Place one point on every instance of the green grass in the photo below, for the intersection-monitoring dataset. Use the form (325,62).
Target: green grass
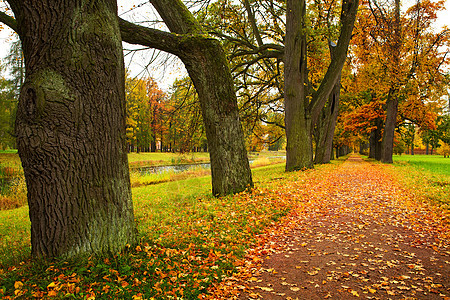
(427,175)
(432,163)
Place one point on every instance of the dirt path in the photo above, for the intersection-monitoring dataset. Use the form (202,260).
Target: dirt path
(357,235)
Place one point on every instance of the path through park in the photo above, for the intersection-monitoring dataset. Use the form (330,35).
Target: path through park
(356,234)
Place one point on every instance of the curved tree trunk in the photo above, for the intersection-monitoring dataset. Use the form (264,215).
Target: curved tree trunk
(208,69)
(71,127)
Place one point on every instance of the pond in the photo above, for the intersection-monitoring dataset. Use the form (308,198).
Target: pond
(182,167)
(173,168)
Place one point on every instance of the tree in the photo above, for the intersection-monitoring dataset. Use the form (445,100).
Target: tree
(70,126)
(207,66)
(302,106)
(409,56)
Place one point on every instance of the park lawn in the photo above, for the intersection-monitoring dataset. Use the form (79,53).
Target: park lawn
(427,175)
(187,240)
(432,163)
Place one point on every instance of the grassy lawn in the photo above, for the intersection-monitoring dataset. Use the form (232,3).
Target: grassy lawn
(431,163)
(188,241)
(427,175)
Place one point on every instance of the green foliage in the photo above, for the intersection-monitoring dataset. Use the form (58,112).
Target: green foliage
(443,129)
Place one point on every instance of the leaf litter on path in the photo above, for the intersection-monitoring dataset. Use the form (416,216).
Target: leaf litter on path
(355,233)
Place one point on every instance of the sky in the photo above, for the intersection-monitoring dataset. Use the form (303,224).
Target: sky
(165,74)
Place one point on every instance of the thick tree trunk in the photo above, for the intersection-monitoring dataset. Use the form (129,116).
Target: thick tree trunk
(207,67)
(299,151)
(71,127)
(325,127)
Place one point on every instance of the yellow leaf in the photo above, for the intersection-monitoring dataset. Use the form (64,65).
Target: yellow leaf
(372,291)
(267,289)
(51,285)
(18,285)
(354,293)
(295,289)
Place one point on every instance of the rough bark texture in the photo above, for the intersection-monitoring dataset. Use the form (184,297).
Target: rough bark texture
(71,127)
(325,127)
(208,68)
(301,113)
(299,152)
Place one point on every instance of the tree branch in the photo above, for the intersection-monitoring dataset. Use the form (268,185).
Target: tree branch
(161,40)
(320,97)
(9,21)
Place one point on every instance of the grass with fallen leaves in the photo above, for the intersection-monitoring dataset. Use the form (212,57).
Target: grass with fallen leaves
(189,240)
(427,175)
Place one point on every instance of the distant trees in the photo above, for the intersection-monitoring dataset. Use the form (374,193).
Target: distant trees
(398,60)
(8,104)
(145,114)
(9,93)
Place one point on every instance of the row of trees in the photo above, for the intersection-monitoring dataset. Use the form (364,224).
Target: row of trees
(280,63)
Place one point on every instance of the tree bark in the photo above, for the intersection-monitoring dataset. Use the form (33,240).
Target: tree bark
(70,127)
(208,68)
(387,149)
(302,108)
(375,141)
(299,153)
(327,122)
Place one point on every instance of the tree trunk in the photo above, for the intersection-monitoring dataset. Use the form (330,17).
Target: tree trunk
(207,67)
(302,108)
(325,127)
(71,127)
(297,119)
(375,141)
(387,148)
